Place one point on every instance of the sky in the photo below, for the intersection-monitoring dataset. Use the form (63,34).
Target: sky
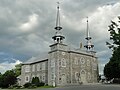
(26,27)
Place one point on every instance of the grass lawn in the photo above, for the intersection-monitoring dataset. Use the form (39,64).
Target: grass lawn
(46,87)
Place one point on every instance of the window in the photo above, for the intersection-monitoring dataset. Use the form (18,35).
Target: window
(82,71)
(43,66)
(63,62)
(38,67)
(33,68)
(53,70)
(40,77)
(43,77)
(76,75)
(26,78)
(76,61)
(53,63)
(94,66)
(88,62)
(52,76)
(27,68)
(63,53)
(89,76)
(82,60)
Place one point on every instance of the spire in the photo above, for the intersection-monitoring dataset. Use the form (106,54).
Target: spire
(58,27)
(89,45)
(88,33)
(58,38)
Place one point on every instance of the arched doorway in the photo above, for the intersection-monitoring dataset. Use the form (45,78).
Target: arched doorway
(63,79)
(83,76)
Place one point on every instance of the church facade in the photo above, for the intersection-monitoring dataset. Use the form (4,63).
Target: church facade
(63,66)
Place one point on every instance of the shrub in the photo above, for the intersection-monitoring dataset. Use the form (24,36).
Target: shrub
(41,84)
(116,80)
(26,85)
(35,81)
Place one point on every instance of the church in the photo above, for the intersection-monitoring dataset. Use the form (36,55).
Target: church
(63,65)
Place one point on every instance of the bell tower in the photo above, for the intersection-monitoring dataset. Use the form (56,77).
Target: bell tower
(58,50)
(58,37)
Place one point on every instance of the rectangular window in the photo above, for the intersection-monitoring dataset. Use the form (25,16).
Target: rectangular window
(52,70)
(52,76)
(94,65)
(63,62)
(43,66)
(38,67)
(43,77)
(33,68)
(53,63)
(76,61)
(27,68)
(88,62)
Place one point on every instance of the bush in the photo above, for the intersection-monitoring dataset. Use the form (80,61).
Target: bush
(41,84)
(15,86)
(35,81)
(116,81)
(26,85)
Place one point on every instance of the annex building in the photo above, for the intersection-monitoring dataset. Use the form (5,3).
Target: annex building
(62,65)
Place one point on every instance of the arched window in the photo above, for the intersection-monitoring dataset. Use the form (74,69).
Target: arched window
(89,76)
(82,71)
(76,75)
(27,78)
(82,60)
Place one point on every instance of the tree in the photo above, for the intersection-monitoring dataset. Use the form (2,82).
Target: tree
(35,81)
(1,78)
(8,79)
(112,68)
(17,69)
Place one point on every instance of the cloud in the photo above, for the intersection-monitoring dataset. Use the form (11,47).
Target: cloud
(4,66)
(26,26)
(30,24)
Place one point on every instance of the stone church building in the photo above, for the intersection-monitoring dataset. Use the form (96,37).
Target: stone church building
(63,65)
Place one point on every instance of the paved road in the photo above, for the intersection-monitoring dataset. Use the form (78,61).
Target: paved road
(86,87)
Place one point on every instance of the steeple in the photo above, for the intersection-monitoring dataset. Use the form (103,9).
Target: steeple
(88,45)
(58,38)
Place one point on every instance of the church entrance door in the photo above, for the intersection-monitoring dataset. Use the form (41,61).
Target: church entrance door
(63,79)
(83,76)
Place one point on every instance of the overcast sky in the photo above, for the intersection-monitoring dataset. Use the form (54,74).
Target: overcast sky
(26,27)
